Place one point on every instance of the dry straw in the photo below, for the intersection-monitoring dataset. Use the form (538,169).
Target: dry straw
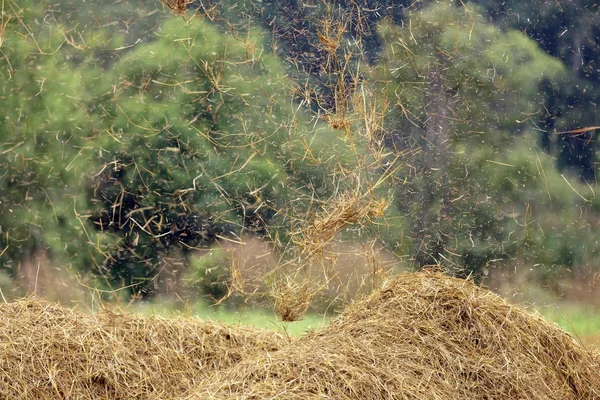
(179,7)
(291,296)
(422,336)
(51,352)
(344,210)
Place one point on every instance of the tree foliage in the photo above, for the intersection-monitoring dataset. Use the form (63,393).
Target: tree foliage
(184,139)
(44,147)
(464,96)
(202,141)
(128,143)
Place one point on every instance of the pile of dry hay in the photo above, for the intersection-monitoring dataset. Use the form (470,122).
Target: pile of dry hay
(51,352)
(422,336)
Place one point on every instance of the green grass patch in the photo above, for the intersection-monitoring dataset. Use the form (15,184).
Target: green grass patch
(257,317)
(580,320)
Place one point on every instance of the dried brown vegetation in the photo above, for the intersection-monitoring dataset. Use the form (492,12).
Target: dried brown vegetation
(291,298)
(52,352)
(179,7)
(347,209)
(420,336)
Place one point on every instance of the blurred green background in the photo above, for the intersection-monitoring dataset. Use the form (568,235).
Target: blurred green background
(247,149)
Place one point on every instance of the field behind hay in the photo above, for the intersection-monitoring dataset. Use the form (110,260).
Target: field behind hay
(580,319)
(262,318)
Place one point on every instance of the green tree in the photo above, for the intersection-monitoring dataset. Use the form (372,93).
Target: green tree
(43,138)
(460,92)
(124,168)
(568,31)
(200,139)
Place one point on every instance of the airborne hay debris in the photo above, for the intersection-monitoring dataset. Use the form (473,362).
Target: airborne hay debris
(346,209)
(291,298)
(52,352)
(422,336)
(179,7)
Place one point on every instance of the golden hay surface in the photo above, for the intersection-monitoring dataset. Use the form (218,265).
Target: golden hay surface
(422,336)
(51,352)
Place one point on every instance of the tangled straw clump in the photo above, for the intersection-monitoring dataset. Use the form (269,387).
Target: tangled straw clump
(51,352)
(422,336)
(344,210)
(179,7)
(291,299)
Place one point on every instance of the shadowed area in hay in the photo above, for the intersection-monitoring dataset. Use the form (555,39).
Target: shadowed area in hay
(51,352)
(421,336)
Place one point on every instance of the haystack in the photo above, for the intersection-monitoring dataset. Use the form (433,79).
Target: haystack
(51,352)
(422,336)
